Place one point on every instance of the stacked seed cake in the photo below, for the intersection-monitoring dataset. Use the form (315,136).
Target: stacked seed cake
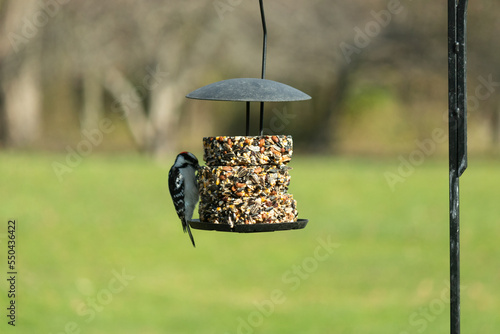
(245,180)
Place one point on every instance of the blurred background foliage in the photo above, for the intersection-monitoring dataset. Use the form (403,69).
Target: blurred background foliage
(65,65)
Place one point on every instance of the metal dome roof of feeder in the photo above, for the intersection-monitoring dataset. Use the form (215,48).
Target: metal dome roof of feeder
(248,90)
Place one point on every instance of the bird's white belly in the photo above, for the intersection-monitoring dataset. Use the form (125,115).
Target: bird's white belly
(191,196)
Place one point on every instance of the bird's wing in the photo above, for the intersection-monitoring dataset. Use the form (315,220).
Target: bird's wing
(175,182)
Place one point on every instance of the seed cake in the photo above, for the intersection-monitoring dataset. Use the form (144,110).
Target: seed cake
(245,180)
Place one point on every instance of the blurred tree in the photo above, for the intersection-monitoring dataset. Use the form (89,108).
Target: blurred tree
(141,53)
(79,61)
(20,73)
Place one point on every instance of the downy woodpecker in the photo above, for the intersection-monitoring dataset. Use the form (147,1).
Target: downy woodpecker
(184,188)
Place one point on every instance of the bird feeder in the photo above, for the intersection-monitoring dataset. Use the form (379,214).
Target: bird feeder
(232,204)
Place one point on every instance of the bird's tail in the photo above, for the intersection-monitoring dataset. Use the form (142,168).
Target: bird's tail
(188,229)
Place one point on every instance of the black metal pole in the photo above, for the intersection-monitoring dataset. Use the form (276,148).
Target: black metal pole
(457,127)
(263,73)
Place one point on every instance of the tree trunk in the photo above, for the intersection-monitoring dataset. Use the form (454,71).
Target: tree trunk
(20,75)
(131,103)
(23,104)
(3,120)
(92,100)
(165,114)
(326,131)
(495,126)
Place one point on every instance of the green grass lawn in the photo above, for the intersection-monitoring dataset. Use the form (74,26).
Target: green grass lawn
(103,252)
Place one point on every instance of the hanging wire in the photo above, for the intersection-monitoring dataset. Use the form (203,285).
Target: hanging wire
(263,74)
(248,119)
(264,46)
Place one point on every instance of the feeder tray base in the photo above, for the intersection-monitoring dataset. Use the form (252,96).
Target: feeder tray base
(248,228)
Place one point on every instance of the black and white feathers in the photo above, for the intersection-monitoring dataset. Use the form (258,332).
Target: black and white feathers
(184,188)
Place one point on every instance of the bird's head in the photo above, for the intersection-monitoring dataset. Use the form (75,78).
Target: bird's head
(186,159)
